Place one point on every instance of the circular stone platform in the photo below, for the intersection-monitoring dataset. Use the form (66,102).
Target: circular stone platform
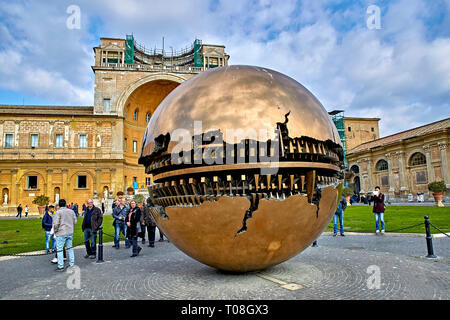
(337,269)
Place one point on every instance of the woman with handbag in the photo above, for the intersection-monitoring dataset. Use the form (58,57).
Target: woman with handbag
(133,221)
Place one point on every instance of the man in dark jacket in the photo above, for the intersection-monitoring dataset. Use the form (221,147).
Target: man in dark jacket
(19,211)
(92,221)
(47,222)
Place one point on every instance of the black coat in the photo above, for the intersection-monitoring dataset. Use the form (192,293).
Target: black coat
(134,218)
(96,219)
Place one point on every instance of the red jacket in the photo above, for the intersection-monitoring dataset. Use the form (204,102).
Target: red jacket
(378,203)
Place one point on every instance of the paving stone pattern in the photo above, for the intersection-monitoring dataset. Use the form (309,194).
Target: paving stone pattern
(336,269)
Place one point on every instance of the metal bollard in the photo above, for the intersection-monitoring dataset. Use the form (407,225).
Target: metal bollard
(100,245)
(429,239)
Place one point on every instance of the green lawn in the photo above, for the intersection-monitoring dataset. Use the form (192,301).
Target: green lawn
(30,235)
(361,219)
(24,235)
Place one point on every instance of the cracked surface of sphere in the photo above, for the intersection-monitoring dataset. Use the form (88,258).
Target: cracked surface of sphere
(247,167)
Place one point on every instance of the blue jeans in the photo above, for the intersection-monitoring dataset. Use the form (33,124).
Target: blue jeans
(135,245)
(379,217)
(339,216)
(47,241)
(120,227)
(60,242)
(90,241)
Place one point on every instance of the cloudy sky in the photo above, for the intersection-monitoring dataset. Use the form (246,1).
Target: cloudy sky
(396,67)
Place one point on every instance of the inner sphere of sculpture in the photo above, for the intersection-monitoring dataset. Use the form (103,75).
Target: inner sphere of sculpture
(263,198)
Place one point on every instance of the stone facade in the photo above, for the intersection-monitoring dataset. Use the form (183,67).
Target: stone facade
(78,153)
(360,130)
(404,163)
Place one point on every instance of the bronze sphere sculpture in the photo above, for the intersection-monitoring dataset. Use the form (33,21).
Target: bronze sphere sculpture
(247,167)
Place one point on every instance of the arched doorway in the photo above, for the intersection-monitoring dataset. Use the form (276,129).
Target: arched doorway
(357,184)
(140,106)
(57,193)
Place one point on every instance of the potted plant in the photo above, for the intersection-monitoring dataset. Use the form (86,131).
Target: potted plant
(41,201)
(139,198)
(347,193)
(437,188)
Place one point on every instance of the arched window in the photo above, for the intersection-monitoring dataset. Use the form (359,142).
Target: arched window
(382,165)
(135,114)
(417,159)
(147,117)
(355,169)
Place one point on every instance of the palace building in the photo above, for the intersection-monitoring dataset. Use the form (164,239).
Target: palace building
(404,163)
(80,152)
(75,152)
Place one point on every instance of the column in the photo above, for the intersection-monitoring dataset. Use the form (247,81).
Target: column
(14,190)
(430,171)
(369,174)
(444,162)
(65,185)
(98,174)
(391,186)
(49,189)
(401,172)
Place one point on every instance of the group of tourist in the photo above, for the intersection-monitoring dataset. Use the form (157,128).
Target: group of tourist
(378,210)
(130,218)
(20,209)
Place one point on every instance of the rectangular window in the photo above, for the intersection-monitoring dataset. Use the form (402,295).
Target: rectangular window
(421,177)
(82,182)
(349,129)
(384,181)
(34,140)
(59,141)
(83,141)
(134,146)
(9,140)
(372,129)
(107,105)
(125,144)
(32,182)
(148,181)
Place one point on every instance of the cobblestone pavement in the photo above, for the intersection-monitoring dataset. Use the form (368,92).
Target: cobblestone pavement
(336,269)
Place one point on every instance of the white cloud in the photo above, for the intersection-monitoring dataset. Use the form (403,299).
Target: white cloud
(398,73)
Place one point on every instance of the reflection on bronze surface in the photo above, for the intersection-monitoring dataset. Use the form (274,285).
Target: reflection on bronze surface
(277,231)
(241,97)
(235,216)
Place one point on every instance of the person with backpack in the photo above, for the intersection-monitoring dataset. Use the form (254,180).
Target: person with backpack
(47,223)
(339,214)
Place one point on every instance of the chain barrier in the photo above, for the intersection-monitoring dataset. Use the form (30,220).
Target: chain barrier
(416,225)
(439,229)
(38,254)
(121,239)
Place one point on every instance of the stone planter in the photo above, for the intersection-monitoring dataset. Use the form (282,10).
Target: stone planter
(41,211)
(438,199)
